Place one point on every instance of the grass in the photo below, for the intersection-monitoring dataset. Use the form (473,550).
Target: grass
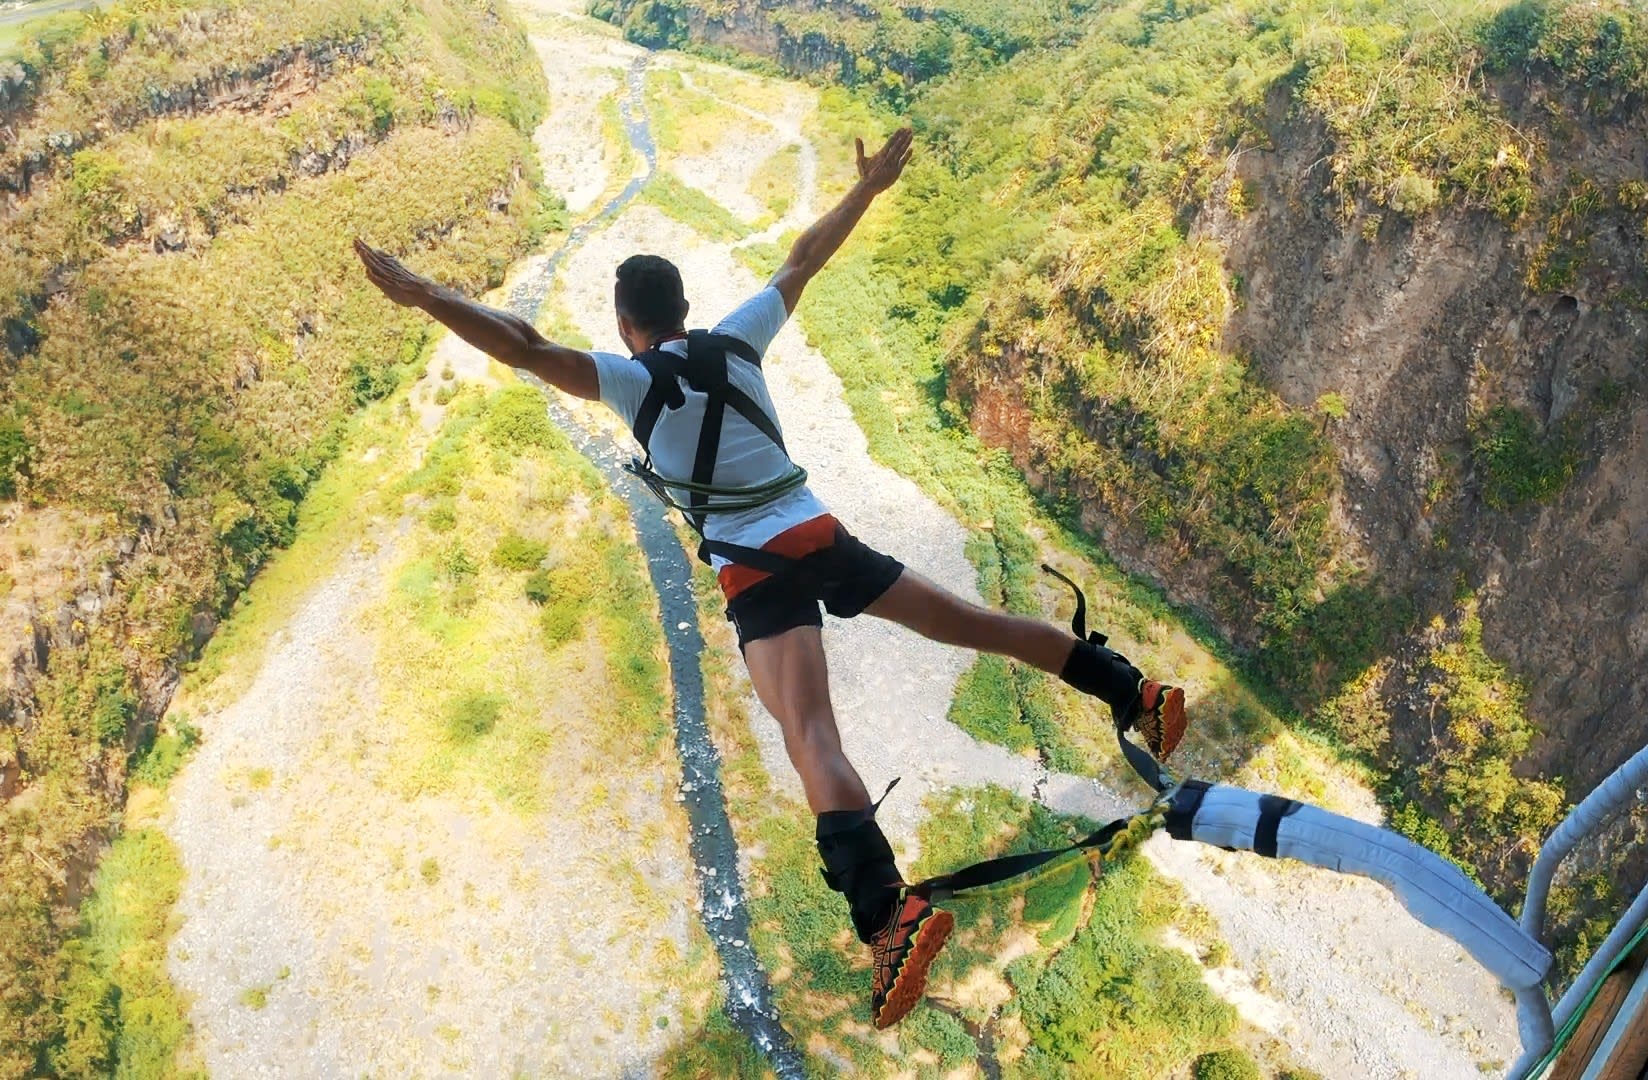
(479,672)
(685,122)
(692,207)
(777,183)
(122,1014)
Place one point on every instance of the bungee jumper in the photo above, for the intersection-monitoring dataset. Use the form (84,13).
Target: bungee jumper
(713,448)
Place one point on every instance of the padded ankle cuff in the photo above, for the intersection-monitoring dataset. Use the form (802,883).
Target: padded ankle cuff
(1102,673)
(859,864)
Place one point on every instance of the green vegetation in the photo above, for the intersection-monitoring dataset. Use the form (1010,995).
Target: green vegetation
(1491,818)
(207,336)
(119,1013)
(1516,463)
(1099,997)
(516,552)
(481,666)
(777,182)
(692,207)
(888,46)
(717,1049)
(1226,1065)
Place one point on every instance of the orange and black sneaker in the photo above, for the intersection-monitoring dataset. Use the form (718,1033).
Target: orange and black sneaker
(1161,718)
(902,952)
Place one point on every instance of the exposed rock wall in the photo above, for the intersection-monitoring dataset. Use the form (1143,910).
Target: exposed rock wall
(1420,324)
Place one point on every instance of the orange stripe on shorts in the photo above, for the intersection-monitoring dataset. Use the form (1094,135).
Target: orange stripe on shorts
(811,535)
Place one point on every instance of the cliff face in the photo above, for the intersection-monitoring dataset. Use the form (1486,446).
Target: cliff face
(846,41)
(1425,326)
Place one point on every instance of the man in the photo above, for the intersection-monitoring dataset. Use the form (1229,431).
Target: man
(778,551)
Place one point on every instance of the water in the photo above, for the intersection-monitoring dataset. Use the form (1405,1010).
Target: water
(713,848)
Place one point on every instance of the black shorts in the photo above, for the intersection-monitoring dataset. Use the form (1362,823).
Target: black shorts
(846,577)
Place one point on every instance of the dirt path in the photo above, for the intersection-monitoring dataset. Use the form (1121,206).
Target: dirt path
(1331,965)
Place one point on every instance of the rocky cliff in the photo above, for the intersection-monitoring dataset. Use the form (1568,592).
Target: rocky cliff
(1424,327)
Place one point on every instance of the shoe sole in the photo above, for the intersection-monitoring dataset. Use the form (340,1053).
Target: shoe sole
(912,980)
(1173,721)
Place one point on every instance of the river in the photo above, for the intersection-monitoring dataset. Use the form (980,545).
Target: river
(713,847)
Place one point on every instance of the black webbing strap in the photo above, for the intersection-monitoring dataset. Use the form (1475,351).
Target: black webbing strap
(754,558)
(706,352)
(1079,623)
(712,381)
(704,367)
(664,393)
(1143,762)
(1272,809)
(995,871)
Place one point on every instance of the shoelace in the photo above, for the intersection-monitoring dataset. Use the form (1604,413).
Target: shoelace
(883,956)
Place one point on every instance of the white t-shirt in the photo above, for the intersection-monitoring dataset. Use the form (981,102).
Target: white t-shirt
(746,456)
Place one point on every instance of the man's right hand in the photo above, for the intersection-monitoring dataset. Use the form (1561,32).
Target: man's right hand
(878,172)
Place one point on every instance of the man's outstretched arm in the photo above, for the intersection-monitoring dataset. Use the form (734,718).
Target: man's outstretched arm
(507,338)
(813,248)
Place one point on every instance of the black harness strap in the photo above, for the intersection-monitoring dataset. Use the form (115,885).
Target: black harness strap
(754,558)
(994,871)
(1144,764)
(1272,809)
(755,414)
(1079,623)
(664,392)
(704,367)
(712,381)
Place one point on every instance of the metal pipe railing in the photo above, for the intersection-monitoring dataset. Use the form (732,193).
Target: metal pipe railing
(1536,1020)
(1610,796)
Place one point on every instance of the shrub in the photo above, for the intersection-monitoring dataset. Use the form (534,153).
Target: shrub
(540,587)
(471,716)
(14,455)
(371,381)
(516,552)
(516,418)
(457,565)
(1226,1065)
(1413,195)
(166,754)
(1298,1072)
(1515,462)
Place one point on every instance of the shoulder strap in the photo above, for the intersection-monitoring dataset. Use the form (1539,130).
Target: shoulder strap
(707,373)
(664,392)
(727,343)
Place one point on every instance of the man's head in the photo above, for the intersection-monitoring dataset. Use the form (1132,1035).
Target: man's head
(650,301)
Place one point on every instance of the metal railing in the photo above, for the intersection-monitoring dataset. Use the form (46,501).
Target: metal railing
(1537,1020)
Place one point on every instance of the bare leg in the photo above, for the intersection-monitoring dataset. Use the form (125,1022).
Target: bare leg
(937,613)
(792,680)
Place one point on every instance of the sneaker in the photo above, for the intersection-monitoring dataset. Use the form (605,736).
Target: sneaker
(902,952)
(1161,718)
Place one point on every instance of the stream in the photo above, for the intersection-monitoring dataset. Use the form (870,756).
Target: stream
(714,849)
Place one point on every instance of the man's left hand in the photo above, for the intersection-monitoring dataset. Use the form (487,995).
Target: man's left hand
(394,280)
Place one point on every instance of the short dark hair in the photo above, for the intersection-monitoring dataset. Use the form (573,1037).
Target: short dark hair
(649,293)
